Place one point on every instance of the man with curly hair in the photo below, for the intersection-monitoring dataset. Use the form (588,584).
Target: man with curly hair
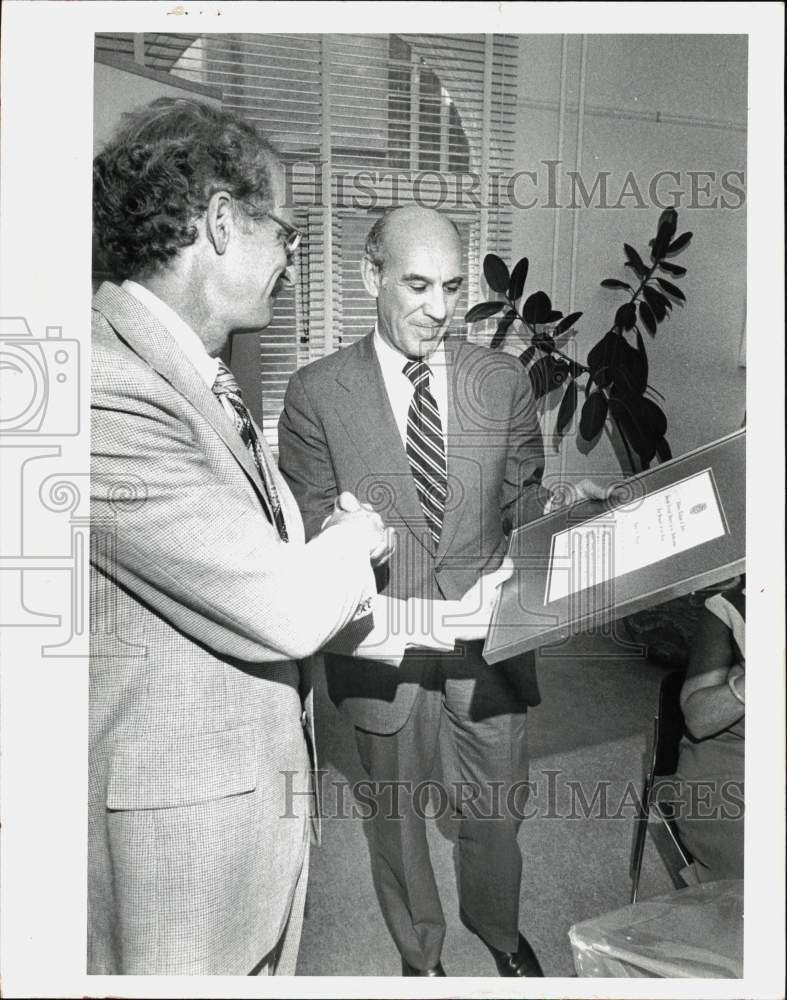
(204,594)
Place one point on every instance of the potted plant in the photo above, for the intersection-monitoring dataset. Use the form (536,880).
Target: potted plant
(614,378)
(618,397)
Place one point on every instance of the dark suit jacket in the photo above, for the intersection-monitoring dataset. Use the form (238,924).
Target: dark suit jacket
(337,432)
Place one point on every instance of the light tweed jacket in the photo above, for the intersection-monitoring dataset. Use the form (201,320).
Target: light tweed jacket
(199,614)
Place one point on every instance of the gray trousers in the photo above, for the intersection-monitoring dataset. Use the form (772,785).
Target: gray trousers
(468,713)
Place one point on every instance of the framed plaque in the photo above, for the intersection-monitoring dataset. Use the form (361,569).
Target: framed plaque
(671,530)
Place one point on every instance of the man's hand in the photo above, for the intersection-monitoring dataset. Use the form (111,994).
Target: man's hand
(382,540)
(469,617)
(566,495)
(587,489)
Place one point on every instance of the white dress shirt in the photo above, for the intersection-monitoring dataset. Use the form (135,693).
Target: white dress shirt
(186,339)
(400,388)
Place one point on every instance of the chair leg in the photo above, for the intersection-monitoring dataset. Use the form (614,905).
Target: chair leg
(668,823)
(639,839)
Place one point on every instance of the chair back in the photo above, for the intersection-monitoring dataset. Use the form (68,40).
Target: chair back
(669,724)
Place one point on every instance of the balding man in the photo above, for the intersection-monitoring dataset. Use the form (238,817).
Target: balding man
(442,437)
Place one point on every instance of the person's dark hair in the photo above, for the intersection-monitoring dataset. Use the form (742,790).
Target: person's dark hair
(155,176)
(375,241)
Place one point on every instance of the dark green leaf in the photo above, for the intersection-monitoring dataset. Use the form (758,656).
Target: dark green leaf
(663,450)
(644,353)
(518,277)
(544,342)
(641,421)
(626,316)
(647,317)
(629,370)
(503,326)
(672,289)
(536,308)
(594,413)
(654,416)
(554,316)
(626,411)
(615,283)
(658,303)
(566,323)
(635,260)
(601,357)
(679,244)
(668,222)
(496,273)
(675,269)
(540,373)
(527,355)
(483,311)
(568,406)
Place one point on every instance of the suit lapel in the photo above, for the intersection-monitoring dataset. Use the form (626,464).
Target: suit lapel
(143,333)
(365,410)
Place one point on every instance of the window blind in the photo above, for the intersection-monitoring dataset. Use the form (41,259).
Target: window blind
(363,122)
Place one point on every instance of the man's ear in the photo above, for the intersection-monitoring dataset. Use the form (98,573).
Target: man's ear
(219,221)
(371,277)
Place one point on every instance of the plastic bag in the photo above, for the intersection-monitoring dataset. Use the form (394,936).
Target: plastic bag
(690,933)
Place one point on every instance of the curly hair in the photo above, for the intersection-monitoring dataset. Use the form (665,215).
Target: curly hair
(154,178)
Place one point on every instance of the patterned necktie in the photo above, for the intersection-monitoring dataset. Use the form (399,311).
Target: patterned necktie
(226,388)
(425,448)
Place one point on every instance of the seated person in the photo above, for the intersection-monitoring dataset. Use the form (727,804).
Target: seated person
(710,765)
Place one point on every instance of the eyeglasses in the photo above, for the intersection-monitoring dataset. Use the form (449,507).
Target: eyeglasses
(292,234)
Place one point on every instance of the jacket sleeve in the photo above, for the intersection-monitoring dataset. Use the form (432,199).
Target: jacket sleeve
(304,457)
(523,496)
(305,462)
(198,549)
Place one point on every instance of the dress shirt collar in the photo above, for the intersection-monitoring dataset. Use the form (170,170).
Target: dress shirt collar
(186,339)
(392,361)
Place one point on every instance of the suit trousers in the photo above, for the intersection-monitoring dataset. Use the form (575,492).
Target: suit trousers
(284,957)
(468,713)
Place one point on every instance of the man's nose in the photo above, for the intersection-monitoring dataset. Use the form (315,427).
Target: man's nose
(436,306)
(288,275)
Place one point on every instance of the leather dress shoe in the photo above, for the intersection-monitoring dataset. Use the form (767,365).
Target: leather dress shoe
(522,962)
(433,970)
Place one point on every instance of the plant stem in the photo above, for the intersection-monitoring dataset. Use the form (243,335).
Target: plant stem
(560,354)
(644,281)
(555,350)
(619,429)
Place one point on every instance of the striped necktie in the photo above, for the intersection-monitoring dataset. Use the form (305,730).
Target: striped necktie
(425,448)
(228,392)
